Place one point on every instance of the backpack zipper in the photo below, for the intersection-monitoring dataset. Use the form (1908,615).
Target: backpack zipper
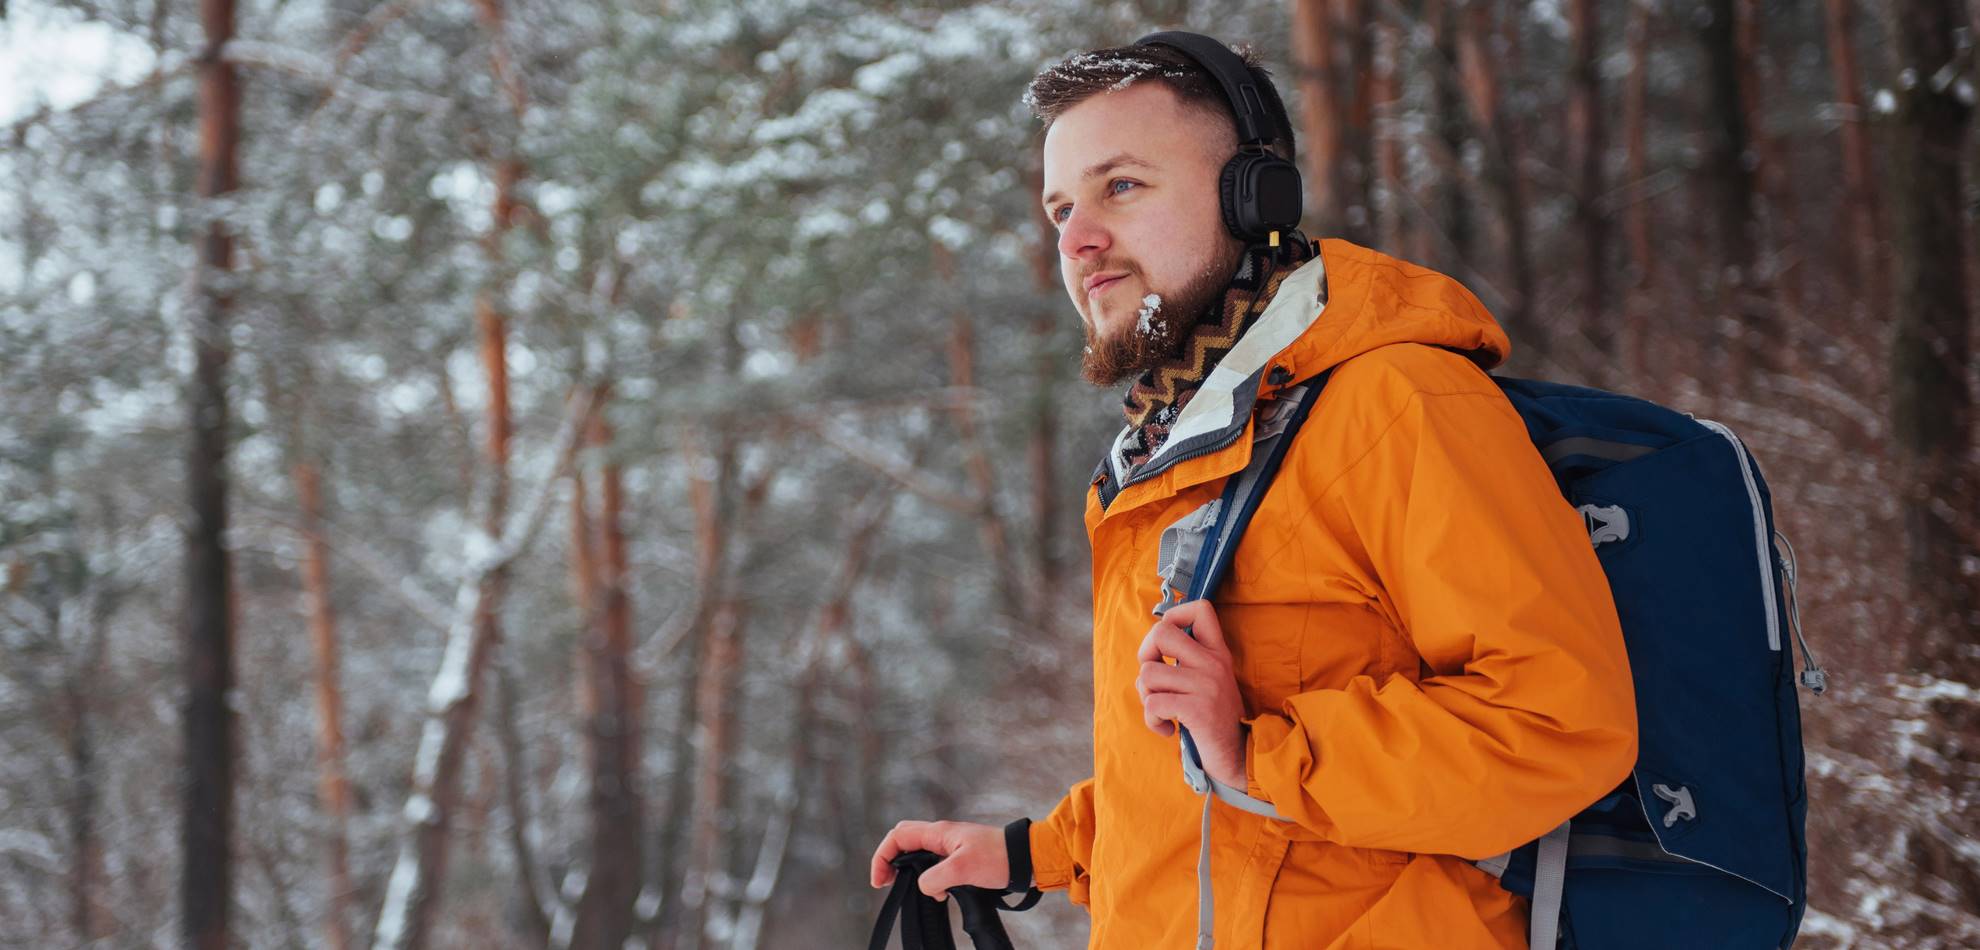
(1760,545)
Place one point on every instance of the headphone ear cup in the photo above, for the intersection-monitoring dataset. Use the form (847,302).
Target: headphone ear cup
(1229,199)
(1259,193)
(1275,195)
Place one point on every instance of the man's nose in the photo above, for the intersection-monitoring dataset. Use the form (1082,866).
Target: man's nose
(1082,236)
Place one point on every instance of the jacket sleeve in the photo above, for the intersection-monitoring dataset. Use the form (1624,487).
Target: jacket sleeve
(1062,844)
(1524,712)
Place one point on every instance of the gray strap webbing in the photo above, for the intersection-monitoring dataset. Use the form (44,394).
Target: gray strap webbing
(1588,844)
(1201,782)
(1206,917)
(1549,880)
(1495,865)
(1594,448)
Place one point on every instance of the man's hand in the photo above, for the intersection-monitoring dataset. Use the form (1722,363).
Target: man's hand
(1200,690)
(972,854)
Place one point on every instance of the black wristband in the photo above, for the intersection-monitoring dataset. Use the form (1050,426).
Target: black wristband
(1017,847)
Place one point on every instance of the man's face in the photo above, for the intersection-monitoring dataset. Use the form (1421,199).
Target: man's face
(1131,184)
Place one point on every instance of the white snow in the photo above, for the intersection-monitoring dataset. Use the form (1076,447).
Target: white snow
(1147,325)
(426,762)
(1944,78)
(884,76)
(56,58)
(950,232)
(398,900)
(1931,688)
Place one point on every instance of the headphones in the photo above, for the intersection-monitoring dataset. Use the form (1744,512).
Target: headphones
(1258,191)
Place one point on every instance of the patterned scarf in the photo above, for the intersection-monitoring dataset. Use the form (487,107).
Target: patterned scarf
(1158,397)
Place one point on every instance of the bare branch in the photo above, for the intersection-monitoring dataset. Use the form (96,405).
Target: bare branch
(886,462)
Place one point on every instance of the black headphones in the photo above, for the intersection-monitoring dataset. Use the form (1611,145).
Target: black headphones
(1258,191)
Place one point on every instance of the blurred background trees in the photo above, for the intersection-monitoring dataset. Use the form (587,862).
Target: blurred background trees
(565,474)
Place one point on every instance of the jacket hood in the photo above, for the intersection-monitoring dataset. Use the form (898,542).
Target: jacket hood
(1373,300)
(1344,302)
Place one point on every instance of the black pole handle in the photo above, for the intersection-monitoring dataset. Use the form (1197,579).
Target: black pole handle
(925,920)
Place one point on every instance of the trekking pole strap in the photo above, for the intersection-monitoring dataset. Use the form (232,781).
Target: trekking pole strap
(1017,851)
(924,921)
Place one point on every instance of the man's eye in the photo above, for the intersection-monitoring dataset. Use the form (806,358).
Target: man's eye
(1059,214)
(1119,185)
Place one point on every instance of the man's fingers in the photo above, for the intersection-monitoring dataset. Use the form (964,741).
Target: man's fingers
(1160,686)
(1201,618)
(1163,678)
(936,881)
(1161,711)
(1167,639)
(906,836)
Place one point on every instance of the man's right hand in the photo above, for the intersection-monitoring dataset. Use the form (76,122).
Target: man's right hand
(972,854)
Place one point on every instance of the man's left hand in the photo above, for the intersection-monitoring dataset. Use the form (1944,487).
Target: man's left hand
(1200,690)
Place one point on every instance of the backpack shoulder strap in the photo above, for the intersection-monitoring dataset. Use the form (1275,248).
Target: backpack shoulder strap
(1203,559)
(1277,424)
(1276,427)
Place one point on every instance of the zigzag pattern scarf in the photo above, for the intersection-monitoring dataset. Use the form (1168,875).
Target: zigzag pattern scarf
(1158,397)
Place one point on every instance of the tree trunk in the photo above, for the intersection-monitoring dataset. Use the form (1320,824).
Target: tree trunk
(1321,116)
(537,896)
(1933,438)
(413,894)
(1450,207)
(1636,122)
(332,787)
(976,461)
(1642,313)
(1385,93)
(86,872)
(206,889)
(1777,225)
(1859,191)
(1588,146)
(713,499)
(706,873)
(832,622)
(716,499)
(1730,161)
(1481,78)
(605,912)
(1352,22)
(1931,355)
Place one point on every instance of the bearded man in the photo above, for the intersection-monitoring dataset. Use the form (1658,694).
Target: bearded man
(1414,660)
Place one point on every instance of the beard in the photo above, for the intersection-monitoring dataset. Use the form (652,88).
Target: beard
(1138,347)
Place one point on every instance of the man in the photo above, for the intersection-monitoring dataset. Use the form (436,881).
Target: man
(1414,658)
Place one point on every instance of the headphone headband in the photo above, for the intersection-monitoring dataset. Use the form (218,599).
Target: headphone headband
(1258,191)
(1256,123)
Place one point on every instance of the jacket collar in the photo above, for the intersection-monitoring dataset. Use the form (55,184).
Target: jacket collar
(1221,407)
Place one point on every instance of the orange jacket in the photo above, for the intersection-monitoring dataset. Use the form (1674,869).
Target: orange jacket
(1429,656)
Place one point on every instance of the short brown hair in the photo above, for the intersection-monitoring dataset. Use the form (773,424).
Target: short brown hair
(1085,75)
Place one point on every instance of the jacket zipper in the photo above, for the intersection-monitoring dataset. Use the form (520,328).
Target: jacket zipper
(1168,463)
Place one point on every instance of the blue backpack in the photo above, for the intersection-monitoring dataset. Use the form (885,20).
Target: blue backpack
(1702,846)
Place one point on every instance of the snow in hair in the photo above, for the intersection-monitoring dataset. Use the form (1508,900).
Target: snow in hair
(1080,68)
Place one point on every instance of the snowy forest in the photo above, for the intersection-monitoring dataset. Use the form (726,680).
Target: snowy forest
(534,473)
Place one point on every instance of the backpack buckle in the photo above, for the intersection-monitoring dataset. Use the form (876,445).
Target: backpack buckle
(1605,523)
(1180,552)
(1682,807)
